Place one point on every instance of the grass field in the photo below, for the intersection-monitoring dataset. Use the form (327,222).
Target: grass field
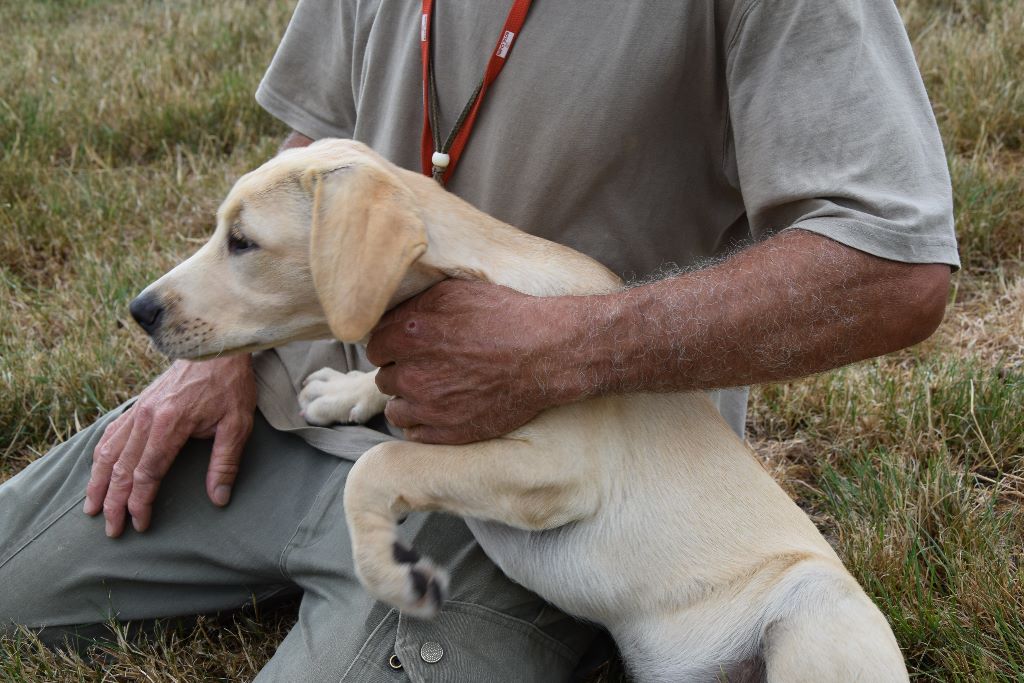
(122,124)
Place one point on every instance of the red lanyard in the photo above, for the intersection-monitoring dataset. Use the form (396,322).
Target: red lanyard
(441,162)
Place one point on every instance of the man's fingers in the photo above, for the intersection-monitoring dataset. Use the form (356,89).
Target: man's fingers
(405,414)
(400,413)
(417,434)
(409,381)
(103,458)
(387,380)
(158,454)
(120,480)
(228,442)
(426,434)
(380,349)
(135,452)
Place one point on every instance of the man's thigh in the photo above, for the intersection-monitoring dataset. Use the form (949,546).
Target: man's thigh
(284,530)
(59,568)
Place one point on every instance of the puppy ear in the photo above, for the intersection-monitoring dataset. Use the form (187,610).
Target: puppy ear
(366,233)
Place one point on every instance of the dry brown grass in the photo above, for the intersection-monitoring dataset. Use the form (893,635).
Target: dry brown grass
(987,321)
(227,650)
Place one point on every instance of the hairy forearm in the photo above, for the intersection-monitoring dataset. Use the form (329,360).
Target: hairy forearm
(796,304)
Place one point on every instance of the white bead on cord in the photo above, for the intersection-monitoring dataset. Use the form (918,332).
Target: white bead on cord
(440,160)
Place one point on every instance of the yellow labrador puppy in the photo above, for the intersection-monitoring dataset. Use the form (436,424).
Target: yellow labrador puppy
(643,513)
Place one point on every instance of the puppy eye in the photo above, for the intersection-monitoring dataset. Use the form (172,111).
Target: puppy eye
(238,243)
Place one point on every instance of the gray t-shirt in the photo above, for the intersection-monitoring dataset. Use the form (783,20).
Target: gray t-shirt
(643,133)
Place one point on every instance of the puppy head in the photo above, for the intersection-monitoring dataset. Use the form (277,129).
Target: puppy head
(314,243)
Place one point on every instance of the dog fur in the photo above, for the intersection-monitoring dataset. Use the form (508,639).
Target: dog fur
(643,513)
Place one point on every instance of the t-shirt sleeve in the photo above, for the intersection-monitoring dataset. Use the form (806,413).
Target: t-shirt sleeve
(309,82)
(833,130)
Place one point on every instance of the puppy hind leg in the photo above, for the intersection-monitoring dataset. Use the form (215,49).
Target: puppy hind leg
(833,636)
(499,480)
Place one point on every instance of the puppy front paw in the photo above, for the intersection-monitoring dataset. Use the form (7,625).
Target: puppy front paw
(329,397)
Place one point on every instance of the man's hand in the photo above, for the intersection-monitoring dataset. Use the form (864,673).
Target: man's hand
(467,361)
(215,398)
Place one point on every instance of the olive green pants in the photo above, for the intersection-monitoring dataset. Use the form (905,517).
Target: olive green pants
(283,532)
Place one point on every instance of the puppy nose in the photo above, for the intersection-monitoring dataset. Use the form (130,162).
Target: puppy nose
(147,311)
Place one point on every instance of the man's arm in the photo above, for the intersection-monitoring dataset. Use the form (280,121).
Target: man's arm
(471,361)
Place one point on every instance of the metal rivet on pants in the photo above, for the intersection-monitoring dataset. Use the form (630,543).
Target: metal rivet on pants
(394,662)
(431,652)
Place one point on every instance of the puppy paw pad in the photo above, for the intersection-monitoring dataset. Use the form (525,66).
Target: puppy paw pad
(404,555)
